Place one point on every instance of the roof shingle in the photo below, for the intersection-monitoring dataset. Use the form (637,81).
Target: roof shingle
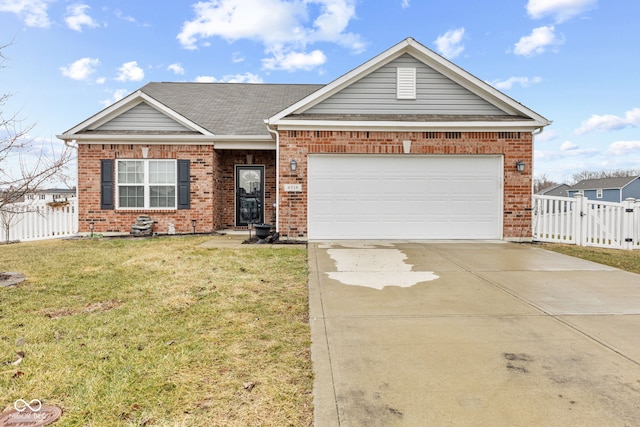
(229,108)
(603,183)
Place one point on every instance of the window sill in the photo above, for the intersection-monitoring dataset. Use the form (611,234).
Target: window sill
(150,210)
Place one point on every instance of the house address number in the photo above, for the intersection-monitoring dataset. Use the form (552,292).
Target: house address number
(292,187)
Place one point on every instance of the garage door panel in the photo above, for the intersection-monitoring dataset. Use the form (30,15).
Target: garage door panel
(413,197)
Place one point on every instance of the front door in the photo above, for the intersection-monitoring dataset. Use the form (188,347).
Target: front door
(249,195)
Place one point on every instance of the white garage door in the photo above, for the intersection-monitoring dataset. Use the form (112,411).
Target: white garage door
(404,197)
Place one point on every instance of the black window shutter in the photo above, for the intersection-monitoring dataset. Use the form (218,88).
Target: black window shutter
(184,187)
(106,184)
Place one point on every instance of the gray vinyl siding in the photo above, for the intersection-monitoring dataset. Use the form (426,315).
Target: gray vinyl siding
(632,190)
(376,94)
(608,195)
(143,117)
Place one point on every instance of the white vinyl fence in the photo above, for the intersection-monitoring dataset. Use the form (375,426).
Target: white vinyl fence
(26,221)
(584,222)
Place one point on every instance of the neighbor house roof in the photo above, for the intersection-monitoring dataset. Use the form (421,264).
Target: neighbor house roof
(603,183)
(555,190)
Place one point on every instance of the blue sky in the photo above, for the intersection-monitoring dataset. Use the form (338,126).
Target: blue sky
(575,62)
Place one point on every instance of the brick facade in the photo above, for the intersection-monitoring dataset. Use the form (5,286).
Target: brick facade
(212,192)
(513,146)
(233,158)
(212,177)
(205,200)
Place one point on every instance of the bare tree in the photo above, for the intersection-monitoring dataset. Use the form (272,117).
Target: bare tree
(25,164)
(541,182)
(614,173)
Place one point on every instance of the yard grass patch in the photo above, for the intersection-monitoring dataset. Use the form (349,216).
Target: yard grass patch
(622,259)
(158,332)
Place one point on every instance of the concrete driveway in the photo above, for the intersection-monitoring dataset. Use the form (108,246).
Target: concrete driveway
(471,334)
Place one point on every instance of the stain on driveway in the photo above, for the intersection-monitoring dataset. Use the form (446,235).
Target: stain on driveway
(375,268)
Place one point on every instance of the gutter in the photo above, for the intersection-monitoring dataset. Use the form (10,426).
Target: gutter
(355,125)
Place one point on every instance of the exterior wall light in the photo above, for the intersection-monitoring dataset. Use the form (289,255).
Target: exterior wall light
(520,166)
(293,165)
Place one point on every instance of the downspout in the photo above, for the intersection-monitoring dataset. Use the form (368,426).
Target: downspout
(533,158)
(277,135)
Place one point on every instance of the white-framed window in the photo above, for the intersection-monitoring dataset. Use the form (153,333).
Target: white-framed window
(146,184)
(599,193)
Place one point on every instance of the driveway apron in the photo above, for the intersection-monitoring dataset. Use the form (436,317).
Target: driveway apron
(471,334)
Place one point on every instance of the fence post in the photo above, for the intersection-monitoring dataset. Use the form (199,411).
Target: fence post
(580,225)
(627,224)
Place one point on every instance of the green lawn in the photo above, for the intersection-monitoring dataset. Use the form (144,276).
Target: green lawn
(158,332)
(622,259)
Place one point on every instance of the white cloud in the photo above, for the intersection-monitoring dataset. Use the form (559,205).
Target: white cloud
(283,27)
(176,69)
(546,136)
(405,4)
(237,57)
(231,78)
(116,96)
(77,17)
(610,122)
(118,13)
(623,148)
(450,43)
(538,41)
(81,69)
(560,10)
(295,61)
(34,12)
(569,148)
(522,81)
(546,155)
(205,79)
(130,72)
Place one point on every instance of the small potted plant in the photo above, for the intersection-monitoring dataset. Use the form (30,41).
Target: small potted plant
(262,232)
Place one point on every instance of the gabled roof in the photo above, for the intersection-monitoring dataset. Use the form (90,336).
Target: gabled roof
(207,109)
(230,112)
(555,190)
(520,115)
(603,183)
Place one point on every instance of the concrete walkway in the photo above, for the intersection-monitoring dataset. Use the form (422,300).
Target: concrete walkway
(471,334)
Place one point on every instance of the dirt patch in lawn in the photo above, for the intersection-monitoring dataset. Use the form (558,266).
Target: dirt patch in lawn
(92,307)
(11,279)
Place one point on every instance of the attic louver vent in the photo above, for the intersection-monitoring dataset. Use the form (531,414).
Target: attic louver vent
(406,83)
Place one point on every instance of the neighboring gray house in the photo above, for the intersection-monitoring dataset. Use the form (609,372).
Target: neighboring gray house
(560,190)
(608,189)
